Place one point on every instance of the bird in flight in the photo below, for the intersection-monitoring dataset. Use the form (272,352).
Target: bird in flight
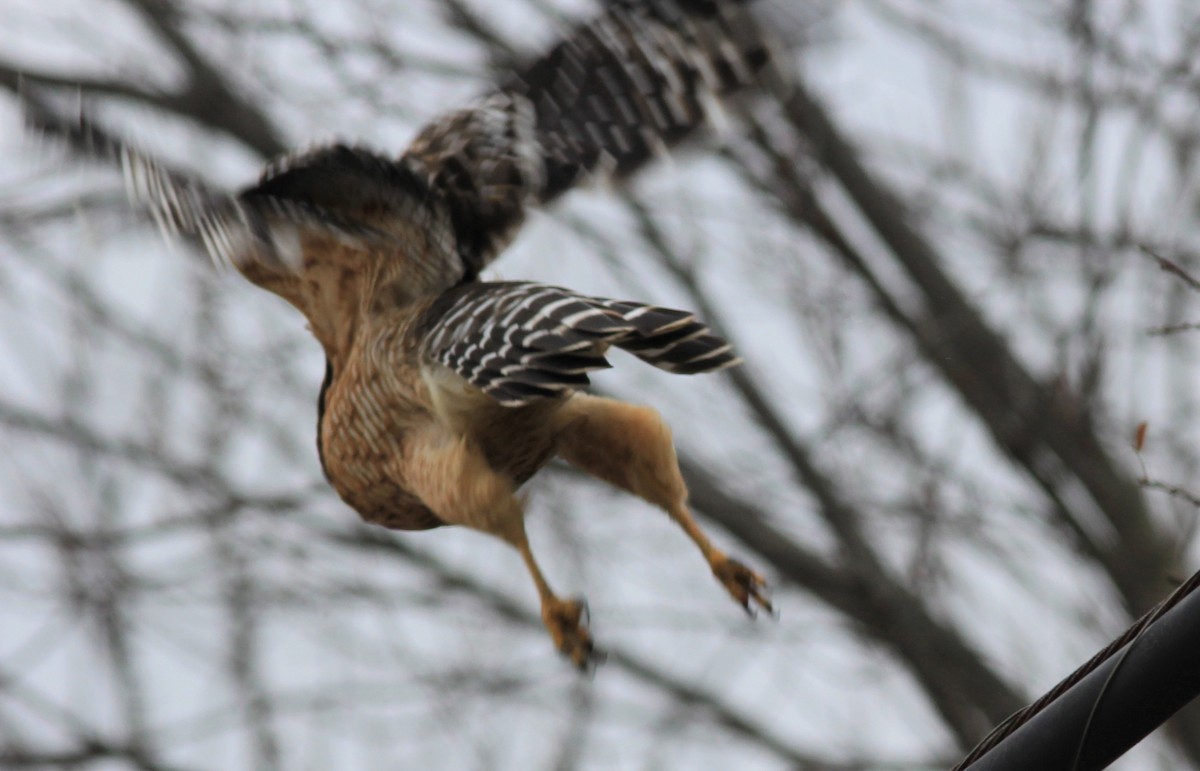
(444,393)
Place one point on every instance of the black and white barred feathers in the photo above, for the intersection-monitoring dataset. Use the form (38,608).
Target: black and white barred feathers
(519,341)
(611,95)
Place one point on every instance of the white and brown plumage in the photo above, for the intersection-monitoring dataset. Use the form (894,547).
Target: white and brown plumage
(443,394)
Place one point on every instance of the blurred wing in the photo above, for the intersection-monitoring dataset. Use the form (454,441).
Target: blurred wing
(609,97)
(520,342)
(254,231)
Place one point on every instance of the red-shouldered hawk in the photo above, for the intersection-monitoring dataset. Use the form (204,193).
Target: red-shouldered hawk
(443,393)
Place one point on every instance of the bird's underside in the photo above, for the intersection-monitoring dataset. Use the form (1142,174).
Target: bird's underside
(443,393)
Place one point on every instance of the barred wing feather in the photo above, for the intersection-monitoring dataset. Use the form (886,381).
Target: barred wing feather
(520,342)
(251,229)
(614,93)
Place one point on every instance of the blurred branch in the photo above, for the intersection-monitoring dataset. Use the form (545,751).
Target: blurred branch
(860,585)
(461,16)
(1048,434)
(207,97)
(969,696)
(14,78)
(181,472)
(1175,491)
(1172,267)
(89,752)
(1173,329)
(1037,428)
(381,541)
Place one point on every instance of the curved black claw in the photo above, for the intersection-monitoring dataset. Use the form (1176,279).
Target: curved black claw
(594,660)
(747,588)
(567,622)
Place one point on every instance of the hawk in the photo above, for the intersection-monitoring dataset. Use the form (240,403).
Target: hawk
(444,393)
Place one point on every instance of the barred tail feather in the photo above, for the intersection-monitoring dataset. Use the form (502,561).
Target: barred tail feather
(687,350)
(520,342)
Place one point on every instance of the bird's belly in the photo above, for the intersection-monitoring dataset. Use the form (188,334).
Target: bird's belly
(368,417)
(388,505)
(371,422)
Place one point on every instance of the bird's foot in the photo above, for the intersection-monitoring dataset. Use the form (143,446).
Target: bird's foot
(748,588)
(565,619)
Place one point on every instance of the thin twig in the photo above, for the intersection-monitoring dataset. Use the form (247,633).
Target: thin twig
(1173,329)
(1175,491)
(1171,267)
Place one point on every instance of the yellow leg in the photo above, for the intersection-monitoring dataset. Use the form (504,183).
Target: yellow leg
(630,447)
(452,477)
(563,618)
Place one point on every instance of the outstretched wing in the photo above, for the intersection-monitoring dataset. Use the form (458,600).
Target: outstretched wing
(251,230)
(610,96)
(613,93)
(373,212)
(520,342)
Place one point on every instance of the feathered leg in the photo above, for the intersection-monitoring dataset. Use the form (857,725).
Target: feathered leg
(452,478)
(630,447)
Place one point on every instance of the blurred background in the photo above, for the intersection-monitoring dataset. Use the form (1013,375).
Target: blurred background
(930,257)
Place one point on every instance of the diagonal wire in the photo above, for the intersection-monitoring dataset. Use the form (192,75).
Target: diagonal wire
(1130,635)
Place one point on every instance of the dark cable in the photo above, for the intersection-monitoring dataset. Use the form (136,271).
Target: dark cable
(1023,716)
